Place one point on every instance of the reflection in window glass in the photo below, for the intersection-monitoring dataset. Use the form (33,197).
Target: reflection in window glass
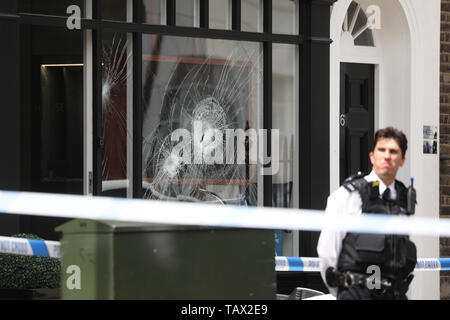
(50,7)
(51,141)
(285,16)
(284,104)
(116,113)
(117,10)
(284,118)
(200,98)
(153,11)
(60,115)
(186,13)
(251,15)
(52,83)
(219,14)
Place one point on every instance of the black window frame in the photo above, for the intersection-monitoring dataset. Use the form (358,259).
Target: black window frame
(313,41)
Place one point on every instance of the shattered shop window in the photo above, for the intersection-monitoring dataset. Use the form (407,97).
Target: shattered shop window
(117,103)
(201,119)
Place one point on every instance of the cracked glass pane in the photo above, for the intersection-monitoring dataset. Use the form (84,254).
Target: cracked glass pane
(117,102)
(202,105)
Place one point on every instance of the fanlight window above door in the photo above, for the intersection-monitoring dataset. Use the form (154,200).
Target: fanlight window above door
(356,26)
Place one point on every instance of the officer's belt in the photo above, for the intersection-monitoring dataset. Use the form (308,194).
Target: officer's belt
(350,279)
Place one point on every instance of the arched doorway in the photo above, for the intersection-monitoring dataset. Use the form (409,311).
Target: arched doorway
(357,89)
(371,50)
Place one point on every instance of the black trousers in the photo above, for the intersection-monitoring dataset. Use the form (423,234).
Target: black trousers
(363,293)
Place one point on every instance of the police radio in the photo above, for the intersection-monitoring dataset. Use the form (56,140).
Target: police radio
(411,198)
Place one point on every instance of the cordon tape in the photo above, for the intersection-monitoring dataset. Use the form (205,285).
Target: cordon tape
(30,247)
(51,249)
(301,264)
(198,214)
(162,212)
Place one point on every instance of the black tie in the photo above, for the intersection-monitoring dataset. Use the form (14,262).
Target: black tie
(387,194)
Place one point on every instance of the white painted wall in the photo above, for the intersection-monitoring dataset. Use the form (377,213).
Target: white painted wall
(425,111)
(407,97)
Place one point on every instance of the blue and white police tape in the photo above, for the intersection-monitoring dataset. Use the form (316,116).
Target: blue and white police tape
(301,264)
(198,214)
(44,248)
(30,247)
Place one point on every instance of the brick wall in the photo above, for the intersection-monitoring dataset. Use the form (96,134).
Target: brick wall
(445,139)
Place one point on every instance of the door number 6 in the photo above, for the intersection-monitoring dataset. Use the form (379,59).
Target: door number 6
(342,120)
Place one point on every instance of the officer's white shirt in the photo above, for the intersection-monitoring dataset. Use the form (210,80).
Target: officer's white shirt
(342,202)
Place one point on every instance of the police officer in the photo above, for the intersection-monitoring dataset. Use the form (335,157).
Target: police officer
(358,266)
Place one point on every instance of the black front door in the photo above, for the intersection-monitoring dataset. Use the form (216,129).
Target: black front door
(356,118)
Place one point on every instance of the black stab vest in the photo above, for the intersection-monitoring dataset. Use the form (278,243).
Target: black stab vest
(396,255)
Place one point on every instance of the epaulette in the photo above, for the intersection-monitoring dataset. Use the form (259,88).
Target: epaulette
(353,183)
(367,190)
